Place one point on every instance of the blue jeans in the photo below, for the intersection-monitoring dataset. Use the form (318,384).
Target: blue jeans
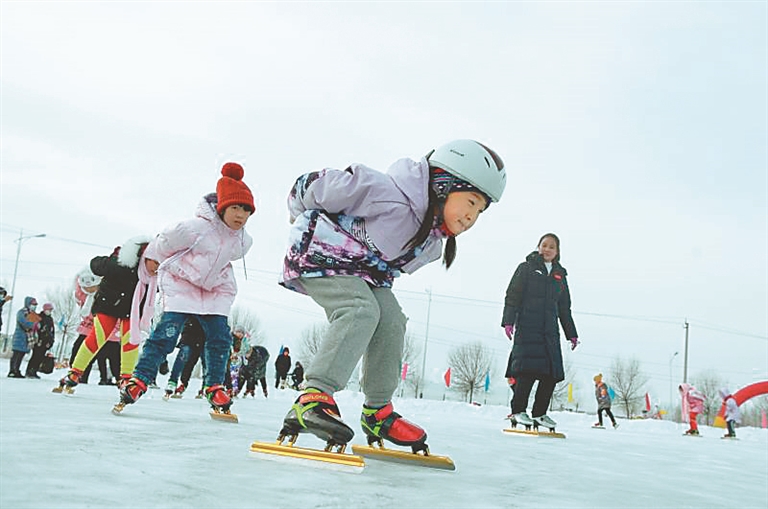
(162,341)
(178,365)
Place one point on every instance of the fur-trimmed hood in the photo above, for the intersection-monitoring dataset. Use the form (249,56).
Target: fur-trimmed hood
(131,250)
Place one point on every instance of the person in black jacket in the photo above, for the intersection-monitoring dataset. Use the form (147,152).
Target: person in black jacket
(45,338)
(537,296)
(111,308)
(282,367)
(297,376)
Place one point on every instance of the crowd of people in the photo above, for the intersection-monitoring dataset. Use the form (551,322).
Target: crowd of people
(353,231)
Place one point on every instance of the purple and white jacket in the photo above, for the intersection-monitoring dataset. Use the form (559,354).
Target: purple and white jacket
(356,222)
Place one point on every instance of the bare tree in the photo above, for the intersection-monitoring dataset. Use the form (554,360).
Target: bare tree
(66,317)
(470,364)
(709,384)
(250,321)
(411,351)
(628,383)
(311,338)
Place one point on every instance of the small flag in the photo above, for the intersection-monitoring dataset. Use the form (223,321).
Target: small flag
(447,377)
(405,371)
(487,380)
(570,393)
(764,420)
(62,321)
(647,402)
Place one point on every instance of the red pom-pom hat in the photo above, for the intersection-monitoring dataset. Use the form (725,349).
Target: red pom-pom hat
(231,190)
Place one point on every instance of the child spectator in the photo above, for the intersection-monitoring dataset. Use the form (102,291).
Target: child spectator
(44,340)
(603,401)
(693,405)
(732,412)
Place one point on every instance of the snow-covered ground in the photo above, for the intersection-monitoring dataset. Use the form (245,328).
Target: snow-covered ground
(70,451)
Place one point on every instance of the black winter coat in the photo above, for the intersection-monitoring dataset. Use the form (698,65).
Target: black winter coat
(45,331)
(534,302)
(117,286)
(192,334)
(283,365)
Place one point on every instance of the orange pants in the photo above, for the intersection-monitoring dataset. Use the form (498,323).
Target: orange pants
(694,425)
(102,328)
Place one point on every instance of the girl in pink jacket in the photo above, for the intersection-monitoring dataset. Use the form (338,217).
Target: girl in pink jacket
(693,405)
(191,264)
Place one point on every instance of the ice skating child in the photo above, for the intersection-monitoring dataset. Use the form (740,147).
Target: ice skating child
(26,322)
(282,367)
(603,401)
(86,286)
(192,262)
(297,376)
(537,297)
(235,362)
(255,370)
(732,412)
(354,231)
(44,340)
(111,309)
(190,333)
(693,405)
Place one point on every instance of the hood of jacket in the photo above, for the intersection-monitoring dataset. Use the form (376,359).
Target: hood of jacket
(535,258)
(130,251)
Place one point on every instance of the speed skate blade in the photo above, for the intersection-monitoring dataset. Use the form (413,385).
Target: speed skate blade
(411,458)
(226,417)
(353,462)
(549,434)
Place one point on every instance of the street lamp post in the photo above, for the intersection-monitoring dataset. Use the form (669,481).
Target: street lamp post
(671,384)
(18,241)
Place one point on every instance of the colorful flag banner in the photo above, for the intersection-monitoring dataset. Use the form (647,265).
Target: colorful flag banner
(487,381)
(647,402)
(447,377)
(405,371)
(570,393)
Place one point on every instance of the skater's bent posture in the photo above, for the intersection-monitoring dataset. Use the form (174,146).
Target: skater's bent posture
(693,405)
(354,231)
(111,308)
(537,296)
(732,412)
(192,264)
(603,401)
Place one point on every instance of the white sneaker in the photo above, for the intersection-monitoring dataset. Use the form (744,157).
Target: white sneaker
(521,418)
(544,420)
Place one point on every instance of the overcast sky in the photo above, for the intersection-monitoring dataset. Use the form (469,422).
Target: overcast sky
(636,131)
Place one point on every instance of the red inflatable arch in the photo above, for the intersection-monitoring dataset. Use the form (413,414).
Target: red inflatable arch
(742,395)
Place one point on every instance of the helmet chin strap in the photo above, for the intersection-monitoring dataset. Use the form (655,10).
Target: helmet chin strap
(440,221)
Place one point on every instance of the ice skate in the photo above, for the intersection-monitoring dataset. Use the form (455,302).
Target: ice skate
(692,432)
(520,418)
(598,425)
(544,420)
(68,383)
(386,424)
(615,425)
(220,401)
(179,392)
(130,392)
(316,412)
(170,389)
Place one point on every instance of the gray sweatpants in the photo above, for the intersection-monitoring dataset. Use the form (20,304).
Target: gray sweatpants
(363,322)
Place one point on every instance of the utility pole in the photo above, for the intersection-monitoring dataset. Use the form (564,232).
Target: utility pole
(685,364)
(426,340)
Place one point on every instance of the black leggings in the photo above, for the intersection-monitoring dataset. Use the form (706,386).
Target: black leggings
(523,391)
(607,412)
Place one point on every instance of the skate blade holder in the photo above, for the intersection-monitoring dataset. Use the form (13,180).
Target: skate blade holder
(325,458)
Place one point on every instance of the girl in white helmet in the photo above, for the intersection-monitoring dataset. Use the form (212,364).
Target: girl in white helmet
(353,232)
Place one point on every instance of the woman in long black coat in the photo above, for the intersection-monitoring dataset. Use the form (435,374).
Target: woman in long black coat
(537,297)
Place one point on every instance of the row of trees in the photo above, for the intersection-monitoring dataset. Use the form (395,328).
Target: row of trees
(471,363)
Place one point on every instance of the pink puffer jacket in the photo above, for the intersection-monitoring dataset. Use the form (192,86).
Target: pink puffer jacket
(195,274)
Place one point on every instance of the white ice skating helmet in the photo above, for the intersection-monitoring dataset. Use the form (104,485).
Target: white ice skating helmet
(87,279)
(473,162)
